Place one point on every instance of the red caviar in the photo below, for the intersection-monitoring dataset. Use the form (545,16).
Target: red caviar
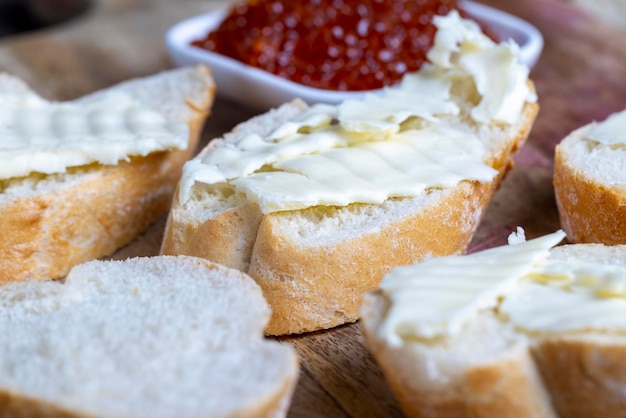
(330,44)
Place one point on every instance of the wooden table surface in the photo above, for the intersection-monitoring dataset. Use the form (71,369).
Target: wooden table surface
(579,78)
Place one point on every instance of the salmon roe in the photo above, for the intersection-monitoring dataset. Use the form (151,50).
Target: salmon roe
(330,44)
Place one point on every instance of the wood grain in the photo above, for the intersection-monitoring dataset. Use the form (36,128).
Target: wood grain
(579,78)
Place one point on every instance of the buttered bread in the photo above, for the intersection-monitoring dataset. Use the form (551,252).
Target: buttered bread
(523,330)
(318,203)
(81,179)
(590,182)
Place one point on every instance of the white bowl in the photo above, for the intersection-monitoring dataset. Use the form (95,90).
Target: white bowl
(260,89)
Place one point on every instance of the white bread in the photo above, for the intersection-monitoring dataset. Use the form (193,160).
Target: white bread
(493,369)
(314,264)
(145,337)
(51,222)
(590,189)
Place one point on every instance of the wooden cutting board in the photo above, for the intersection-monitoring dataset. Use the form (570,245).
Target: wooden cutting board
(579,78)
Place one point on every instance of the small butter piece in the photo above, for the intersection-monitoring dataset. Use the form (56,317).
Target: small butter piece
(611,131)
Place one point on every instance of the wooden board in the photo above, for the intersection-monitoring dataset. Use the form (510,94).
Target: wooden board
(579,78)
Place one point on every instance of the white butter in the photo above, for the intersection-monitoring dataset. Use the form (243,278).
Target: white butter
(424,97)
(569,296)
(328,154)
(611,131)
(48,137)
(370,172)
(315,117)
(462,50)
(436,297)
(530,290)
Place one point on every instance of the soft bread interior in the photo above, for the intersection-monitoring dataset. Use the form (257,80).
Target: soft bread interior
(158,337)
(603,164)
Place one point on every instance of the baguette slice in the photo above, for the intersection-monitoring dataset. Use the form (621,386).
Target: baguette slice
(51,222)
(145,337)
(590,189)
(492,368)
(314,264)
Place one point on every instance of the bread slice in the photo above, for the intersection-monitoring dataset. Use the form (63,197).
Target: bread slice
(494,368)
(51,222)
(145,337)
(590,188)
(314,264)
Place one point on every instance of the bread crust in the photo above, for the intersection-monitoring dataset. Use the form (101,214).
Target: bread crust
(589,211)
(500,390)
(316,287)
(48,233)
(227,238)
(306,296)
(506,386)
(586,376)
(17,405)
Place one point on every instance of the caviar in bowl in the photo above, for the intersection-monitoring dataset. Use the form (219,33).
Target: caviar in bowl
(262,89)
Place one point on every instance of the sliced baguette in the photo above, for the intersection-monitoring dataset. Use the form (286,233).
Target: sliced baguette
(315,256)
(314,264)
(590,190)
(52,222)
(145,337)
(493,369)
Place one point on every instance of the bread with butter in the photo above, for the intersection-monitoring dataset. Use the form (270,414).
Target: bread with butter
(144,337)
(516,331)
(315,254)
(590,182)
(63,204)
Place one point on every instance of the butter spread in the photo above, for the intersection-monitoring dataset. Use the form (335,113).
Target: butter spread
(387,111)
(370,172)
(361,151)
(48,137)
(436,297)
(462,50)
(519,281)
(569,296)
(611,131)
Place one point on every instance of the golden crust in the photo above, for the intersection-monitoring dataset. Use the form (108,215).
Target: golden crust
(312,288)
(500,390)
(504,387)
(227,239)
(44,236)
(590,212)
(306,295)
(16,405)
(587,378)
